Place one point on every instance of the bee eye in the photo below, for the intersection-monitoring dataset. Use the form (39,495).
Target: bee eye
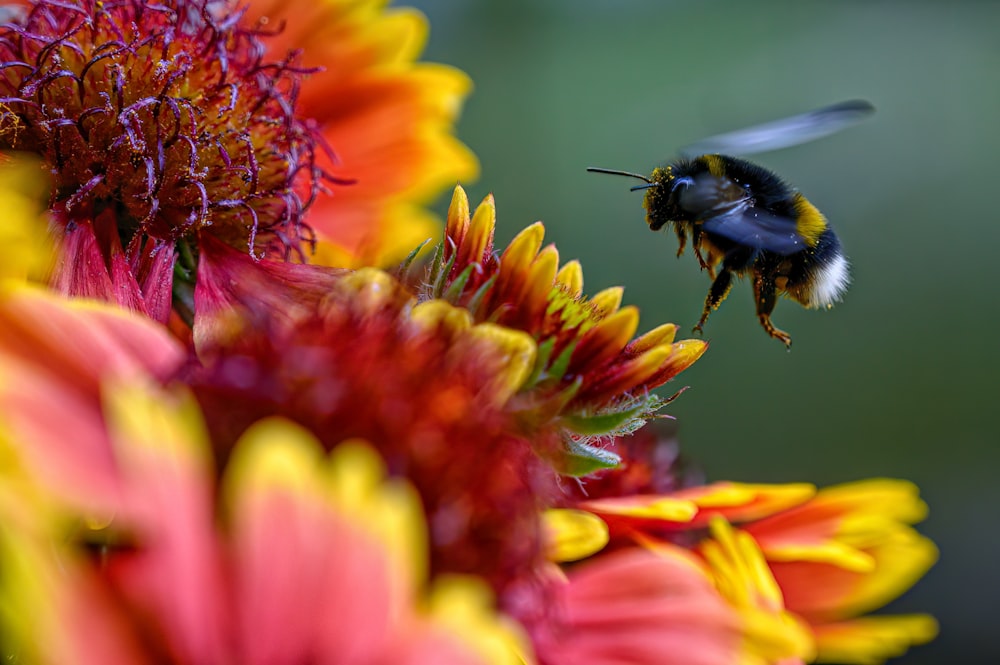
(686,181)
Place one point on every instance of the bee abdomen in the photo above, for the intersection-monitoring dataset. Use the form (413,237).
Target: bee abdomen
(826,273)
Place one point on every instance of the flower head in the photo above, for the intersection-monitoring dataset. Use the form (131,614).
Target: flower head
(389,118)
(165,117)
(813,560)
(592,377)
(420,381)
(284,552)
(158,123)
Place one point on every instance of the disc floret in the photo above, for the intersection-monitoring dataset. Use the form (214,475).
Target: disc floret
(166,114)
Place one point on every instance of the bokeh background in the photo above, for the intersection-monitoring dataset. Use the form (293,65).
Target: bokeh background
(903,378)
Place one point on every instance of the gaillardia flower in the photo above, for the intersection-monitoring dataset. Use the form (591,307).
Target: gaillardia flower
(816,560)
(592,378)
(158,122)
(420,382)
(165,123)
(122,541)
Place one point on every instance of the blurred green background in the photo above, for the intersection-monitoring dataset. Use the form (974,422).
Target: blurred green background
(899,380)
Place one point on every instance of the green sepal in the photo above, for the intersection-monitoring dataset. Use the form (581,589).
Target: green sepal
(581,459)
(402,271)
(477,298)
(559,366)
(602,423)
(435,265)
(443,277)
(455,289)
(542,357)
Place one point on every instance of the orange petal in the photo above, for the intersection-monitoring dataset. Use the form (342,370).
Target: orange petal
(685,353)
(605,340)
(832,592)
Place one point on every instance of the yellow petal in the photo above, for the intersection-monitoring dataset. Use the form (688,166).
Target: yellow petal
(895,499)
(518,352)
(571,535)
(520,253)
(660,335)
(654,507)
(434,313)
(763,499)
(480,235)
(465,606)
(26,246)
(458,216)
(744,579)
(570,276)
(608,301)
(541,277)
(369,288)
(872,640)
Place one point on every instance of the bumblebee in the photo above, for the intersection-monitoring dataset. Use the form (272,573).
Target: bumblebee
(742,219)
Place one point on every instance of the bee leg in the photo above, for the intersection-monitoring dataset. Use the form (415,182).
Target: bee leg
(765,292)
(701,258)
(716,294)
(682,239)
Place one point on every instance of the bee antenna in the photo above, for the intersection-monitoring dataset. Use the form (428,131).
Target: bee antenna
(646,186)
(594,169)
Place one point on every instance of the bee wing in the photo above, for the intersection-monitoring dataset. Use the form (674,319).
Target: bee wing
(783,133)
(758,228)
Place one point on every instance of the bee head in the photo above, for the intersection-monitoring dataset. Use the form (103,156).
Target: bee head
(661,199)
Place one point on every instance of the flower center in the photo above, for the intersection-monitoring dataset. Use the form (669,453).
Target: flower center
(164,112)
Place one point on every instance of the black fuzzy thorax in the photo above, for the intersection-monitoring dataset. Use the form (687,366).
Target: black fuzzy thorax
(768,190)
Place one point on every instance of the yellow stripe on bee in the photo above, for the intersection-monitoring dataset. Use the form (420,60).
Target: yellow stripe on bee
(715,165)
(809,222)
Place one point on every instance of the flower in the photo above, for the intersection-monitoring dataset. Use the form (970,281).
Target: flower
(592,378)
(141,550)
(357,356)
(164,124)
(388,117)
(158,123)
(815,559)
